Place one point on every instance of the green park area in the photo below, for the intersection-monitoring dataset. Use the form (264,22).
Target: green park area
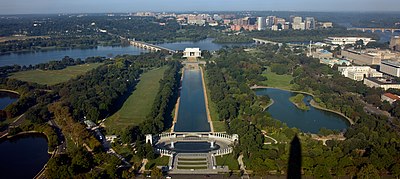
(139,103)
(219,126)
(52,77)
(277,81)
(228,160)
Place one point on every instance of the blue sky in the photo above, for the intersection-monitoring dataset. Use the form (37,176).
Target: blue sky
(92,6)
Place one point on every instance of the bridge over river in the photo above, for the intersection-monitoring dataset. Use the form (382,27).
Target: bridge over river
(150,47)
(392,30)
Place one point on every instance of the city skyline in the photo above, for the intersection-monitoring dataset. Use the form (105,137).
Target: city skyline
(103,6)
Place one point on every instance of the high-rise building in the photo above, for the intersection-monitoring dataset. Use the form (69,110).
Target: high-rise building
(271,21)
(280,22)
(261,23)
(296,23)
(252,21)
(310,23)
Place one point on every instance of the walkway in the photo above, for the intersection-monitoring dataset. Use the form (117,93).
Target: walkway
(243,167)
(269,137)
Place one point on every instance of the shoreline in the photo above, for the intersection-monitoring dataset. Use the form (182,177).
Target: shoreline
(269,105)
(28,133)
(10,91)
(307,108)
(206,101)
(312,102)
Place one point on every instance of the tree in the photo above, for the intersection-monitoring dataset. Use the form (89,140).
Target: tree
(368,171)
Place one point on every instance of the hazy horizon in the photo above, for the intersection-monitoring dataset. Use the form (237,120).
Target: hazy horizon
(10,7)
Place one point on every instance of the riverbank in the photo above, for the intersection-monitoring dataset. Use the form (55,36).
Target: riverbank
(312,102)
(10,91)
(28,133)
(298,102)
(206,101)
(268,105)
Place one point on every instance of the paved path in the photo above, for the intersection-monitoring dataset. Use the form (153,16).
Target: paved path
(242,167)
(269,137)
(144,163)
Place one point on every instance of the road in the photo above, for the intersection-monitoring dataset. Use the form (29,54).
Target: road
(62,148)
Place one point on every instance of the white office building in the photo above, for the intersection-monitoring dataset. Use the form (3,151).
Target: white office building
(347,40)
(358,73)
(391,68)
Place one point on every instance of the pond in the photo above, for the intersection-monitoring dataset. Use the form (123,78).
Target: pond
(23,156)
(192,114)
(307,121)
(6,98)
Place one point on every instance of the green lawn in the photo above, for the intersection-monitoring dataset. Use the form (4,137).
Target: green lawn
(52,77)
(228,160)
(139,103)
(275,80)
(219,126)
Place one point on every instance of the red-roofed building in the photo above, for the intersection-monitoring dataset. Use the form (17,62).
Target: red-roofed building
(390,97)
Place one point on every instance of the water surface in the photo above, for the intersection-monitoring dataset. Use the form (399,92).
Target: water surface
(23,157)
(307,121)
(192,114)
(6,98)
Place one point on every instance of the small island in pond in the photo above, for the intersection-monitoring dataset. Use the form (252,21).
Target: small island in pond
(298,101)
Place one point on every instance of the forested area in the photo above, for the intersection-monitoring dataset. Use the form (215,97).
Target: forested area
(371,145)
(232,39)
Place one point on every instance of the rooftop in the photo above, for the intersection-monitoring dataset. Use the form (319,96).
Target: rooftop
(392,96)
(391,63)
(382,81)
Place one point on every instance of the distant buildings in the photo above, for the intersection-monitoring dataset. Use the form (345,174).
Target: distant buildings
(361,57)
(196,20)
(395,43)
(261,23)
(309,23)
(276,23)
(347,40)
(192,53)
(358,73)
(381,83)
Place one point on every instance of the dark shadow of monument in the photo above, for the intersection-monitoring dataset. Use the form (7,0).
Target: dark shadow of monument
(294,164)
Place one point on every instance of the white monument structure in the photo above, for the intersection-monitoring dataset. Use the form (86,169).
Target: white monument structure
(192,53)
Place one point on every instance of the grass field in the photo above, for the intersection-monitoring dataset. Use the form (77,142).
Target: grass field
(219,126)
(52,77)
(275,80)
(139,103)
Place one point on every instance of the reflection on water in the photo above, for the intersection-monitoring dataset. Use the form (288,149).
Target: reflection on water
(192,115)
